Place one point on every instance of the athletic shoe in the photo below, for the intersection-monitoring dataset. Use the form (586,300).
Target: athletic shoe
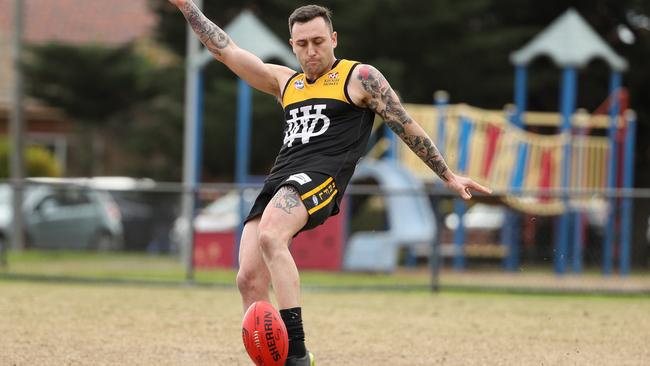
(308,360)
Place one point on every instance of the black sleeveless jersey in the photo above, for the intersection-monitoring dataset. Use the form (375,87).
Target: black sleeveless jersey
(324,132)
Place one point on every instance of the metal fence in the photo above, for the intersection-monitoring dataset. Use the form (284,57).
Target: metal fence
(383,238)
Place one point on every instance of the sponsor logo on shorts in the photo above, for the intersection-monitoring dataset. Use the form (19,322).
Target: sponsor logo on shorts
(301,178)
(326,192)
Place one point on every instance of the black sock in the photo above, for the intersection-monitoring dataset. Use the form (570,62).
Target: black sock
(293,321)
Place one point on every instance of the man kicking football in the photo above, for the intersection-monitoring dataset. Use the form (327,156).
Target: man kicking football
(329,109)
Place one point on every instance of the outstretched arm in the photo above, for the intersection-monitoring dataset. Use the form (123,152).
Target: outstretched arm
(264,77)
(374,92)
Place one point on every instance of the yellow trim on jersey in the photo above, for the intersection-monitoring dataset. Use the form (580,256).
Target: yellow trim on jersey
(317,189)
(331,85)
(324,203)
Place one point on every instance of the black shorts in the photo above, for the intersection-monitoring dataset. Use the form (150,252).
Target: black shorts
(318,193)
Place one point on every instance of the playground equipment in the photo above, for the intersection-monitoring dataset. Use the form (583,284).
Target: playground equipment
(540,172)
(409,213)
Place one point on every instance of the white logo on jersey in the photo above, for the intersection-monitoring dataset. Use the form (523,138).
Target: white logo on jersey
(304,127)
(299,84)
(301,178)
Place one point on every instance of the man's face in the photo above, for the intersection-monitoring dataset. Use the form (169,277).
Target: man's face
(313,43)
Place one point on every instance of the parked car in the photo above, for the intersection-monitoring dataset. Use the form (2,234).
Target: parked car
(147,213)
(63,216)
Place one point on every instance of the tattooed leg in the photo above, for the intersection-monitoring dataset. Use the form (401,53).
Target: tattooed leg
(286,199)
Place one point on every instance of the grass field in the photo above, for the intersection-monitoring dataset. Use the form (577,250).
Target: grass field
(63,265)
(81,324)
(125,309)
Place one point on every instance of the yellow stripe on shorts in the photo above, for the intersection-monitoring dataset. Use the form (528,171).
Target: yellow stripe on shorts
(324,203)
(317,189)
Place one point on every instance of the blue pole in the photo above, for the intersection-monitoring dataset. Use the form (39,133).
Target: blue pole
(441,101)
(628,204)
(521,81)
(510,233)
(460,207)
(610,228)
(512,218)
(578,217)
(244,106)
(244,122)
(561,253)
(517,182)
(466,128)
(567,107)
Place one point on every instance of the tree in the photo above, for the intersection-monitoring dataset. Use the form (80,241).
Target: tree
(92,84)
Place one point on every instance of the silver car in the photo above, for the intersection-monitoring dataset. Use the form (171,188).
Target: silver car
(64,216)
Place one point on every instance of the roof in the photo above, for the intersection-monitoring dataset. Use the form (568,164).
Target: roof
(74,21)
(570,42)
(111,22)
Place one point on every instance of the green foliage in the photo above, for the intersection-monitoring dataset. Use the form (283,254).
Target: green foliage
(90,83)
(115,93)
(151,132)
(39,161)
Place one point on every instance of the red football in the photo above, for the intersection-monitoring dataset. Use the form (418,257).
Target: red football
(265,335)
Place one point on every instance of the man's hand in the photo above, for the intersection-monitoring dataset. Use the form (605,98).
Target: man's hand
(463,185)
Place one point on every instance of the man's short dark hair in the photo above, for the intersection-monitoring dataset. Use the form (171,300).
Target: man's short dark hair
(308,12)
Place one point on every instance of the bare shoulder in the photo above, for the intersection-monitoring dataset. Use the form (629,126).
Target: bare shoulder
(281,73)
(363,71)
(367,84)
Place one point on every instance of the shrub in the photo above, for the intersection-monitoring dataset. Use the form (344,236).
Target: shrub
(39,161)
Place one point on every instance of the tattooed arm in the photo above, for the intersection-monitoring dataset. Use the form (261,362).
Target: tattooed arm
(369,88)
(264,77)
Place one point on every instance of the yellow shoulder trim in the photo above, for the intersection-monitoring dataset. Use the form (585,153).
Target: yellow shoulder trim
(330,85)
